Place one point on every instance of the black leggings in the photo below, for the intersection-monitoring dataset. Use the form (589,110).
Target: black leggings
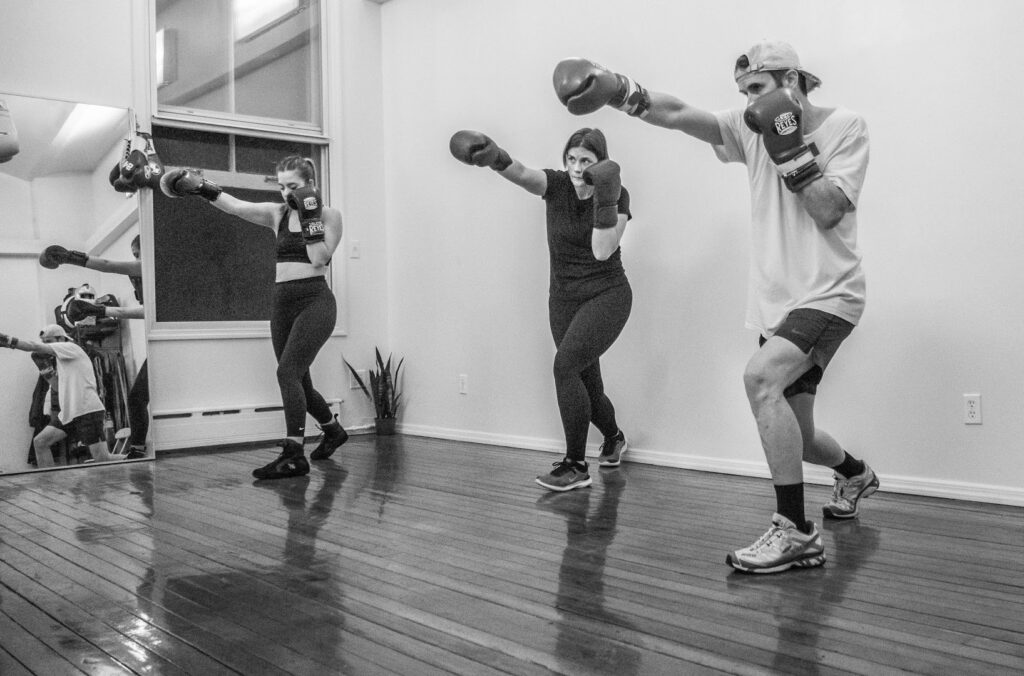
(583,331)
(138,407)
(301,322)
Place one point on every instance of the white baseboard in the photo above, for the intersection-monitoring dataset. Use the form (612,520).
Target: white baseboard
(199,427)
(936,488)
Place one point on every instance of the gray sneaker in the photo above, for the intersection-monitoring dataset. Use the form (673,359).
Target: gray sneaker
(781,548)
(612,450)
(566,476)
(846,494)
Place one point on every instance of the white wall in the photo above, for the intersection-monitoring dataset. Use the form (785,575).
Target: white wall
(453,266)
(468,260)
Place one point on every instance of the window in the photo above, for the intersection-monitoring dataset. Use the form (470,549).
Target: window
(212,267)
(254,62)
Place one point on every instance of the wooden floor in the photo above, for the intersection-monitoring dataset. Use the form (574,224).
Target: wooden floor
(414,556)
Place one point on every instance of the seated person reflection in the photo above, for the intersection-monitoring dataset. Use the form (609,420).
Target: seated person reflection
(138,397)
(81,412)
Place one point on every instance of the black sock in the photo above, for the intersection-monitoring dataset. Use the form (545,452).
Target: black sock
(850,466)
(789,500)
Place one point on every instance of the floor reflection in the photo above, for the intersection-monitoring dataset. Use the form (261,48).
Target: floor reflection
(140,488)
(388,471)
(801,599)
(589,532)
(288,593)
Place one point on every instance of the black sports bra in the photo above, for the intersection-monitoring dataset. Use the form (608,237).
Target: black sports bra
(291,248)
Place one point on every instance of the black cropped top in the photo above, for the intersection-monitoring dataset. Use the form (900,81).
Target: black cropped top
(291,248)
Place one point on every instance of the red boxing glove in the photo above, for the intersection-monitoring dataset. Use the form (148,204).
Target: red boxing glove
(478,149)
(79,309)
(604,176)
(583,87)
(55,255)
(182,182)
(777,116)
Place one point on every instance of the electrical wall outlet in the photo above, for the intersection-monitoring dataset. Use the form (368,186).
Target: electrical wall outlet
(463,383)
(972,409)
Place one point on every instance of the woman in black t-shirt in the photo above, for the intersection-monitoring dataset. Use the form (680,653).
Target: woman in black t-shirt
(589,297)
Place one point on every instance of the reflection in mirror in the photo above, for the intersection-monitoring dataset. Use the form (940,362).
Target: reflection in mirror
(65,246)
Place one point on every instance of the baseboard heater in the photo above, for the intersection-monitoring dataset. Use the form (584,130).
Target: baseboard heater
(218,426)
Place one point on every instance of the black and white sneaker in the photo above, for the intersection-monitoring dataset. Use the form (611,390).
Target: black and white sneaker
(612,450)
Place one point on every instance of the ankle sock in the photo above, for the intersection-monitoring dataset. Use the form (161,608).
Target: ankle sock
(789,500)
(850,466)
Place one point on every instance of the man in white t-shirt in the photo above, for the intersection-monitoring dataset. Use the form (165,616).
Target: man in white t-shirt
(80,413)
(806,165)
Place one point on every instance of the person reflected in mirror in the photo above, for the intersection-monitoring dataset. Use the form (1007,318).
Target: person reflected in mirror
(80,411)
(80,308)
(304,307)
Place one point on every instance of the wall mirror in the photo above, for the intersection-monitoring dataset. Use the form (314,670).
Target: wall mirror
(55,189)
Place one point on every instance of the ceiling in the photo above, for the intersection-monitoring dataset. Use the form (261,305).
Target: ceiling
(45,152)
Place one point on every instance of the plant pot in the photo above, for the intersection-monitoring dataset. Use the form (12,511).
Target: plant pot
(385,426)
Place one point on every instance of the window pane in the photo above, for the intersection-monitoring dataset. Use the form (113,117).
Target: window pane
(188,148)
(211,266)
(261,155)
(256,58)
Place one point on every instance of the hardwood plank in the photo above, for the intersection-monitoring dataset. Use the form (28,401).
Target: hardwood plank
(403,555)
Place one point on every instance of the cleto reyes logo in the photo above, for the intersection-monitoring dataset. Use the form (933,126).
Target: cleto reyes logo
(315,227)
(786,124)
(310,202)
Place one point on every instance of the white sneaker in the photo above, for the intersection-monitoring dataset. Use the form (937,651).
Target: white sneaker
(847,493)
(781,548)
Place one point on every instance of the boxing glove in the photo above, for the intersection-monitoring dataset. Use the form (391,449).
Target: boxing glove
(79,309)
(604,176)
(8,341)
(131,164)
(119,182)
(46,363)
(182,182)
(306,201)
(143,177)
(583,87)
(777,117)
(55,255)
(477,149)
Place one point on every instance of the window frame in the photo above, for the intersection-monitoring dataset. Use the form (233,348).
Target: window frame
(186,115)
(330,181)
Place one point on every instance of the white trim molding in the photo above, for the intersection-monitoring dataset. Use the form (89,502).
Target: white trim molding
(935,488)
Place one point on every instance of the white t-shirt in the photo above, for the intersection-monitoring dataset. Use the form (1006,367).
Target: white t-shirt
(76,389)
(794,263)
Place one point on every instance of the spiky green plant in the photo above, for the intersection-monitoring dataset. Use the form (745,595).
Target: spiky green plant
(384,389)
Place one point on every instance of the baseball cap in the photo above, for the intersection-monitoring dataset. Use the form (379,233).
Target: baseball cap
(772,55)
(54,331)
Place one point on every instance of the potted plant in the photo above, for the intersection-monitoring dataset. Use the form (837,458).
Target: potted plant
(383,391)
